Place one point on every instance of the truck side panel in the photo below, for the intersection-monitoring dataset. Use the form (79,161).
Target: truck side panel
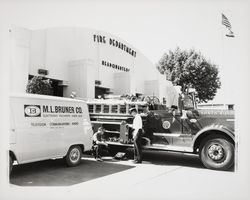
(42,131)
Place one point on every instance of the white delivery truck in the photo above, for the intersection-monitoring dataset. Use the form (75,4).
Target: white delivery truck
(45,127)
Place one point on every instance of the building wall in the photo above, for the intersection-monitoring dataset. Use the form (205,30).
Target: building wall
(77,57)
(53,48)
(162,88)
(122,83)
(19,60)
(37,52)
(81,74)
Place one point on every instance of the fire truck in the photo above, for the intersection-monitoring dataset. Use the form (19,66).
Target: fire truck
(184,128)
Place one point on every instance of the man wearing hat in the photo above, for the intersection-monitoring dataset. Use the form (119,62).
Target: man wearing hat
(137,134)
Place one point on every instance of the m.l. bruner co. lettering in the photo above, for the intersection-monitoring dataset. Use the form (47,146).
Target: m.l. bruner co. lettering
(61,109)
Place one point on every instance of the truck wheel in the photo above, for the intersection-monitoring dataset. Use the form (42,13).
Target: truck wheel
(10,164)
(217,153)
(74,155)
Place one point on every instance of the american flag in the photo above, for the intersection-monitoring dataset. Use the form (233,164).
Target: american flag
(226,22)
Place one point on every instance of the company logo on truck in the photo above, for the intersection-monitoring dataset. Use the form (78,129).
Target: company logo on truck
(32,110)
(166,124)
(37,110)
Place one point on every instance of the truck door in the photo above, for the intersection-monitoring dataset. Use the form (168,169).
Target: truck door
(167,122)
(164,123)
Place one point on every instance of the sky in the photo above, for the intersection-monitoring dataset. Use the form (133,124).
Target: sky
(153,27)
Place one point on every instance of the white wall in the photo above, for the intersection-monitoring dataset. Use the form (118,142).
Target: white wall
(70,54)
(20,58)
(37,52)
(152,88)
(143,70)
(53,48)
(81,81)
(162,89)
(122,83)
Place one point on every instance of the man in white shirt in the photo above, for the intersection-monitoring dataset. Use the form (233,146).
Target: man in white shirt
(137,134)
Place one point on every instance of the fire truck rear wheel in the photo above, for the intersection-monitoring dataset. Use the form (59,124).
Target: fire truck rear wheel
(74,155)
(217,153)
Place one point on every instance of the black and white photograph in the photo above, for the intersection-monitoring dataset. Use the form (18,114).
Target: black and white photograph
(124,99)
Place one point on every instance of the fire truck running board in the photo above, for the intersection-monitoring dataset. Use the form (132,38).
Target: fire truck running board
(105,122)
(157,147)
(168,134)
(173,135)
(169,148)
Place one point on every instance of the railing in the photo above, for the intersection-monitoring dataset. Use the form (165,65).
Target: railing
(216,106)
(115,108)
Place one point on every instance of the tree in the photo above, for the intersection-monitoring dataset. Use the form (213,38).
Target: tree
(190,69)
(38,85)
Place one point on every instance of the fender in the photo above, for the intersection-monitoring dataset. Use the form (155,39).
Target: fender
(213,127)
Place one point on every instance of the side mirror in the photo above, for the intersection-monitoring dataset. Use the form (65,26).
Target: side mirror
(188,103)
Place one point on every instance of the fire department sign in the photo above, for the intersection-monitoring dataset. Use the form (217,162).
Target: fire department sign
(166,124)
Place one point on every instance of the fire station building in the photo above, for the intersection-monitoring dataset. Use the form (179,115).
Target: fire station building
(89,62)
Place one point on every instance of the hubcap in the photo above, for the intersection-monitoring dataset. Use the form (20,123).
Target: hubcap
(74,155)
(216,152)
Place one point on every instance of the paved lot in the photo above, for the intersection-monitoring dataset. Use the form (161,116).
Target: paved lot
(55,172)
(160,175)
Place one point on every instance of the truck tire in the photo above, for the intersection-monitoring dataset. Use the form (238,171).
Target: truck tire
(74,155)
(10,164)
(217,153)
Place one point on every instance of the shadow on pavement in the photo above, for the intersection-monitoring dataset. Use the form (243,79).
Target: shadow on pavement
(170,158)
(55,173)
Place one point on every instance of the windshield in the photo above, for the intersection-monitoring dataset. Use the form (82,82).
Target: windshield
(188,102)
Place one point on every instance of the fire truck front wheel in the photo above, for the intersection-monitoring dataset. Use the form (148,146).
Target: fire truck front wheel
(217,153)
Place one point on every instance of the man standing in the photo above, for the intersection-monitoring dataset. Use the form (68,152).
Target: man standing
(137,134)
(99,144)
(150,124)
